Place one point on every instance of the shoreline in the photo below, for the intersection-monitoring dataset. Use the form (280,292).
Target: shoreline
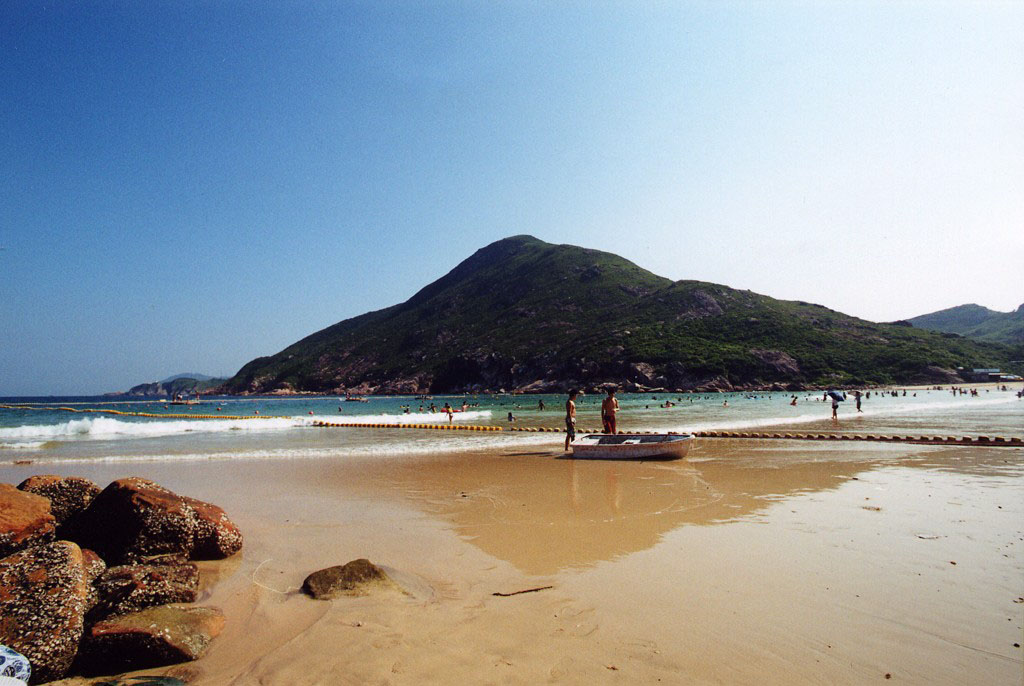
(775,387)
(748,562)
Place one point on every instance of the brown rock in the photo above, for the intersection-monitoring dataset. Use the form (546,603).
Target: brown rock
(216,536)
(357,577)
(42,606)
(94,565)
(25,520)
(68,495)
(154,637)
(133,519)
(130,588)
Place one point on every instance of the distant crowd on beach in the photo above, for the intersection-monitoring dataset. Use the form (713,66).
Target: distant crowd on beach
(610,403)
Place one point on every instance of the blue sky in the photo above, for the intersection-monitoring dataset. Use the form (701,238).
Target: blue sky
(185,186)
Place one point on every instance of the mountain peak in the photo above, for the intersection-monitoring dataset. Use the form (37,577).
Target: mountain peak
(526,314)
(976,321)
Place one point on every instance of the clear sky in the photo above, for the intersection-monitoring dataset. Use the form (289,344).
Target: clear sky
(185,186)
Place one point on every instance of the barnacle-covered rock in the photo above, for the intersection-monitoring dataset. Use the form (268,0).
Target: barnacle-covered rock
(25,520)
(68,495)
(43,593)
(133,519)
(130,588)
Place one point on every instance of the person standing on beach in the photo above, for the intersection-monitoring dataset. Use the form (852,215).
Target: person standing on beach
(856,396)
(609,407)
(570,418)
(835,407)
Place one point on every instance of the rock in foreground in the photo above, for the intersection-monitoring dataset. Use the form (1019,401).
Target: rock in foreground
(68,496)
(25,520)
(152,638)
(133,519)
(43,594)
(130,588)
(140,680)
(357,577)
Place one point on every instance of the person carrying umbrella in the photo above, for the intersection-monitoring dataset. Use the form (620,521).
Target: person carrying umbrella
(837,398)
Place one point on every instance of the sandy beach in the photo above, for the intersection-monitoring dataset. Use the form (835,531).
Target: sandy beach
(751,562)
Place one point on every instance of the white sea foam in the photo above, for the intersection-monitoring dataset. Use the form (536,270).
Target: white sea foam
(23,445)
(106,428)
(110,428)
(846,411)
(422,446)
(270,438)
(412,418)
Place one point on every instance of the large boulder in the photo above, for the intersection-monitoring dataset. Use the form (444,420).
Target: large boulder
(94,567)
(25,520)
(130,588)
(154,637)
(216,536)
(68,496)
(94,564)
(43,594)
(134,519)
(357,577)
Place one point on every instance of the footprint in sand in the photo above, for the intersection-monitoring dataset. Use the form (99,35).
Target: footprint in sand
(562,668)
(578,622)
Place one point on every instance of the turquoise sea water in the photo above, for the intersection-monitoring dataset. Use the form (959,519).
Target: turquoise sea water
(46,434)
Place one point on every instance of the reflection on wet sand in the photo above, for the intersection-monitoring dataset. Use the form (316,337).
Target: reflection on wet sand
(544,515)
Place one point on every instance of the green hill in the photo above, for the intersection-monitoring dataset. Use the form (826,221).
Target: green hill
(173,386)
(978,322)
(528,315)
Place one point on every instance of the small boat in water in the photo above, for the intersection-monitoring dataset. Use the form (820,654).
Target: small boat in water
(632,447)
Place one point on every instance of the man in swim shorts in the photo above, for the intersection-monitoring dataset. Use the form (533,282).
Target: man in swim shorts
(609,406)
(570,418)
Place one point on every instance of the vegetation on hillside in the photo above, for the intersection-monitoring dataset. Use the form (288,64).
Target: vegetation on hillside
(978,322)
(524,314)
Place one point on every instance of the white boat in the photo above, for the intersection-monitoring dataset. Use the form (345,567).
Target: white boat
(632,446)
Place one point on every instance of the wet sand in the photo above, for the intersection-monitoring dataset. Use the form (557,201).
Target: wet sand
(751,562)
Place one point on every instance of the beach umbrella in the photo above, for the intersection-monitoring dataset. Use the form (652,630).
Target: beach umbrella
(837,396)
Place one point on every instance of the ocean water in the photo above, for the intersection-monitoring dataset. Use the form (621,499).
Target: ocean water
(285,430)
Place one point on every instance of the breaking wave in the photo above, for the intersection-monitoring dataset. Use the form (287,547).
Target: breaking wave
(104,428)
(412,418)
(108,428)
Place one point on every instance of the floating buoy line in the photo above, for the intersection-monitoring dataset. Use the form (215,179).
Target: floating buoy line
(987,441)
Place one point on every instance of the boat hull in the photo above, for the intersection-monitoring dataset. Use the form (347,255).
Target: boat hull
(626,447)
